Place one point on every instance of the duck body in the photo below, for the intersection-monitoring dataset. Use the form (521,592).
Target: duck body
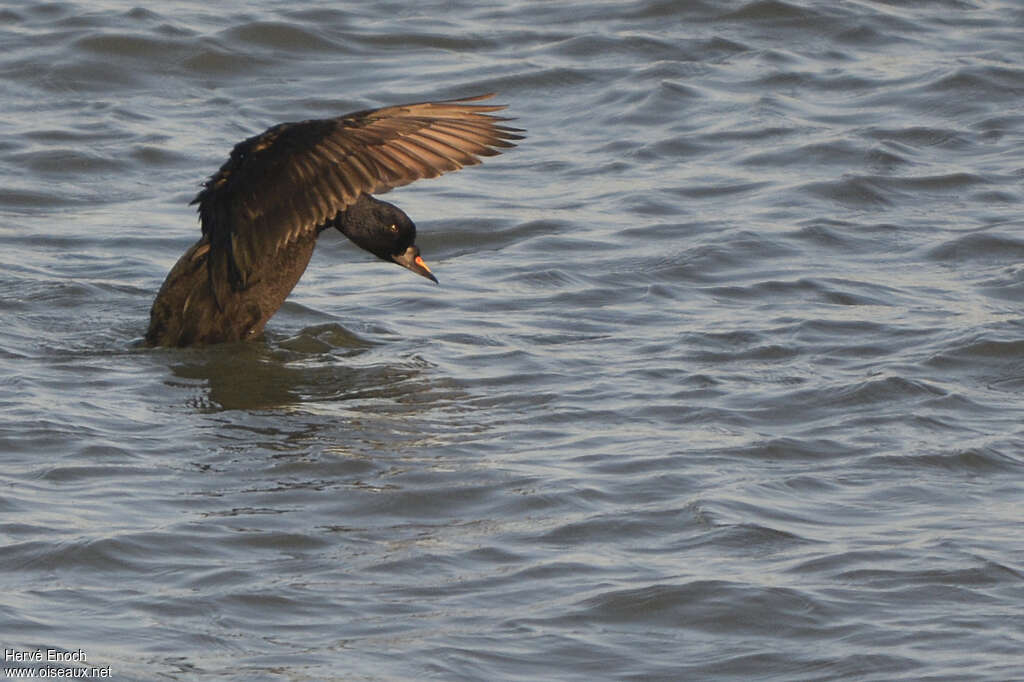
(186,312)
(263,211)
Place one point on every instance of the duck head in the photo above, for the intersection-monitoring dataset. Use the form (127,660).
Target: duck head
(384,230)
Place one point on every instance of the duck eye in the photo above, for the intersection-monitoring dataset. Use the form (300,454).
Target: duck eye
(393,228)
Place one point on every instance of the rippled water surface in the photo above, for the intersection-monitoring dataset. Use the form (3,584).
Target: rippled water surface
(724,378)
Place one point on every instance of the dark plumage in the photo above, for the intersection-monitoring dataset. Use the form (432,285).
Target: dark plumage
(262,211)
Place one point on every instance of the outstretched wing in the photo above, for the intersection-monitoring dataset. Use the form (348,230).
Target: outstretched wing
(283,184)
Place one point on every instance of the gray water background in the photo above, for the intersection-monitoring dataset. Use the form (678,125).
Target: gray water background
(724,378)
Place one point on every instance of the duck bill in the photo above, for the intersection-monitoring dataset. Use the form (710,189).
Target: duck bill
(412,260)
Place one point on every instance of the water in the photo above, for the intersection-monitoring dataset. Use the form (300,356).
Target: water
(723,379)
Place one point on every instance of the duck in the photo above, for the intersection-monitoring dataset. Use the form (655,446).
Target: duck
(263,211)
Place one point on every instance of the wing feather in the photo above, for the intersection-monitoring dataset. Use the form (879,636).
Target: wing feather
(292,179)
